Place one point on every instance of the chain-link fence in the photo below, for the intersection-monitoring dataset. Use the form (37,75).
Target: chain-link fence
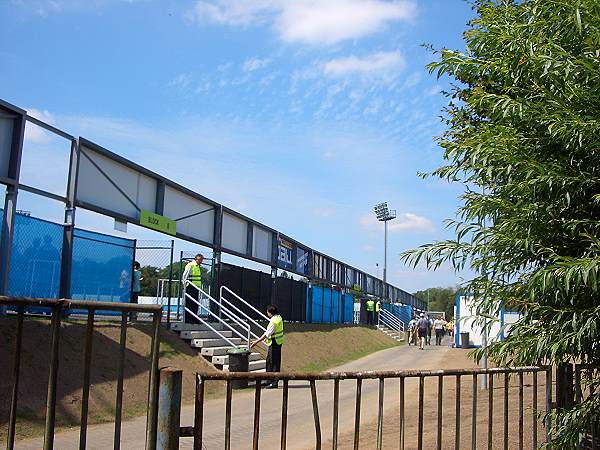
(36,258)
(155,280)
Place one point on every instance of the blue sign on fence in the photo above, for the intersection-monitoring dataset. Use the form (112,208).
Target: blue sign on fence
(285,254)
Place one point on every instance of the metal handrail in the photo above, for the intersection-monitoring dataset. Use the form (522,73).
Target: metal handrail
(245,315)
(264,316)
(388,316)
(235,319)
(396,319)
(391,321)
(391,316)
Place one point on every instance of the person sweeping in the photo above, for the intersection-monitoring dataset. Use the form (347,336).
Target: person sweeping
(273,338)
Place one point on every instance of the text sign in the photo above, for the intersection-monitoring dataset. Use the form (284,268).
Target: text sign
(285,251)
(157,222)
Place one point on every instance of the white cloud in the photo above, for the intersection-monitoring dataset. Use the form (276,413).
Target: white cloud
(46,7)
(252,64)
(323,211)
(380,64)
(311,22)
(182,80)
(403,222)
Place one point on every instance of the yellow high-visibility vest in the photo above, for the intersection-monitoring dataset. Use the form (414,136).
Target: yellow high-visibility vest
(195,273)
(370,305)
(278,334)
(377,306)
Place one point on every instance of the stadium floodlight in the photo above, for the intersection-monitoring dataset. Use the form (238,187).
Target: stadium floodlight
(384,214)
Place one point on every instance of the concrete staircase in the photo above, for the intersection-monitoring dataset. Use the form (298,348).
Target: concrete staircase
(394,334)
(213,347)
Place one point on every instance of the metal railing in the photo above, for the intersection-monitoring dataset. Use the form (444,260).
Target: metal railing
(58,308)
(228,304)
(225,317)
(500,390)
(389,320)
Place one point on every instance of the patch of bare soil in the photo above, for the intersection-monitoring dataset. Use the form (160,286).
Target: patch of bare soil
(35,368)
(466,408)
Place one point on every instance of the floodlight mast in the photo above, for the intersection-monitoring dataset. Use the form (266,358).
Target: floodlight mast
(384,214)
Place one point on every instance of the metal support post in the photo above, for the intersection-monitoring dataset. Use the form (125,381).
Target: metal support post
(66,263)
(385,252)
(170,285)
(169,408)
(10,202)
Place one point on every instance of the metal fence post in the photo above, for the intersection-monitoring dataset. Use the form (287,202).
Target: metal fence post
(170,285)
(564,386)
(169,408)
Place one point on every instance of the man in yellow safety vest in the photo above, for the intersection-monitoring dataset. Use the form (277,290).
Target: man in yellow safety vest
(193,274)
(377,309)
(370,311)
(273,337)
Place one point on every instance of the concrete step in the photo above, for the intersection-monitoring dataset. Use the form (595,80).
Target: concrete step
(180,326)
(208,334)
(253,366)
(204,343)
(214,351)
(224,359)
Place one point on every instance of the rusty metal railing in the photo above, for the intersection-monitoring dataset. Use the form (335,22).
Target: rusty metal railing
(502,374)
(58,307)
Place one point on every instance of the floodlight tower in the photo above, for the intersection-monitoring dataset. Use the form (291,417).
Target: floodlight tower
(384,214)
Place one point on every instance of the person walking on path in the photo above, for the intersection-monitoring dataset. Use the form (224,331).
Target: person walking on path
(423,327)
(136,288)
(412,329)
(370,311)
(439,325)
(273,338)
(429,330)
(193,274)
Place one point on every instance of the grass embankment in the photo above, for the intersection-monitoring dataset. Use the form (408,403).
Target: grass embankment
(316,347)
(308,347)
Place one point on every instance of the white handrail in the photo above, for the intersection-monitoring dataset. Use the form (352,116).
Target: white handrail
(222,298)
(391,321)
(394,318)
(244,302)
(234,317)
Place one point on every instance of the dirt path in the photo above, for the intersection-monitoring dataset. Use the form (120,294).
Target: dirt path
(301,433)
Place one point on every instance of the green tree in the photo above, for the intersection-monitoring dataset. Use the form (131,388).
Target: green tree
(440,299)
(523,136)
(151,275)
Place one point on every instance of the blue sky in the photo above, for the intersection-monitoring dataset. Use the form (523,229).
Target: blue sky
(299,113)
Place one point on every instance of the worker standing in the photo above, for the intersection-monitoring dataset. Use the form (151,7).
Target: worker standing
(193,275)
(273,337)
(370,311)
(377,309)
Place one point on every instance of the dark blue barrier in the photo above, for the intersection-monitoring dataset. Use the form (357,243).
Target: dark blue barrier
(329,306)
(348,308)
(402,312)
(101,263)
(35,259)
(102,267)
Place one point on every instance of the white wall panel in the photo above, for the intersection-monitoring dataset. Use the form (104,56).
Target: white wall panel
(235,233)
(94,187)
(262,243)
(179,204)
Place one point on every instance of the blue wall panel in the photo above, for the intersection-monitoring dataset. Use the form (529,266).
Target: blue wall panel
(102,267)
